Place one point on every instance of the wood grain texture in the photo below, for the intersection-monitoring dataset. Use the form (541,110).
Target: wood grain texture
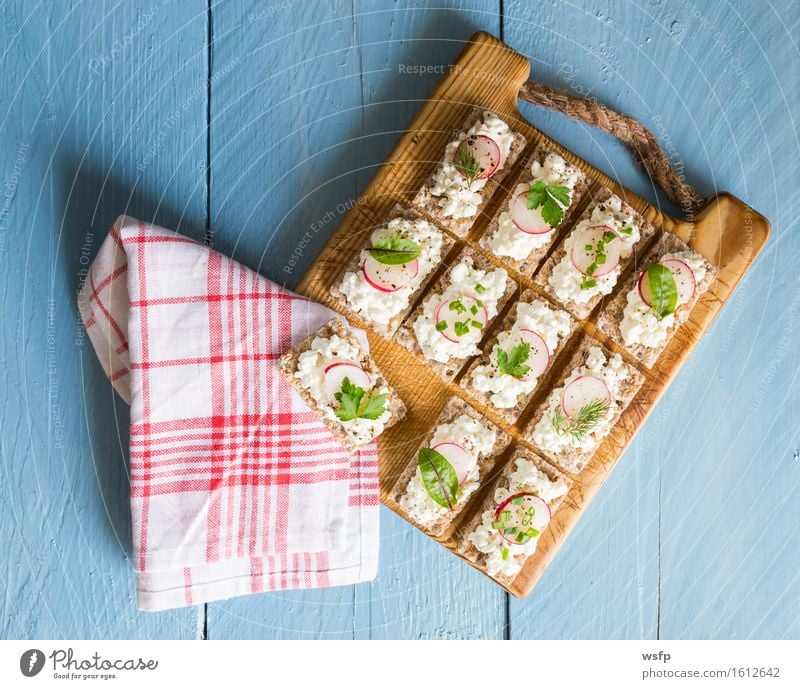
(327,93)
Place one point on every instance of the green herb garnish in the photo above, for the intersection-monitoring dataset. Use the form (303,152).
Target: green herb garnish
(551,199)
(467,164)
(457,306)
(354,404)
(479,288)
(461,328)
(394,251)
(663,290)
(627,231)
(441,325)
(588,417)
(438,477)
(504,553)
(599,258)
(513,363)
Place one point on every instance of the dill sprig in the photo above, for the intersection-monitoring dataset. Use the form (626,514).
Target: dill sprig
(588,417)
(467,164)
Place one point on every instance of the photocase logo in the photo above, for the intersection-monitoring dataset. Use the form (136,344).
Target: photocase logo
(31,662)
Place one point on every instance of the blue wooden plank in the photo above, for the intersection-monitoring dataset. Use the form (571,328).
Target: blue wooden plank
(87,92)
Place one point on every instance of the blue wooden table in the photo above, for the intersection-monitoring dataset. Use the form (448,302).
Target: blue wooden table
(250,122)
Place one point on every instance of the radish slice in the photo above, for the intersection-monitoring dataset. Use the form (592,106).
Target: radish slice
(485,151)
(336,372)
(526,220)
(522,517)
(684,281)
(583,258)
(582,391)
(451,316)
(461,460)
(539,356)
(386,278)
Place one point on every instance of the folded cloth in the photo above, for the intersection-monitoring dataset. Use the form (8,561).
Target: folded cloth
(236,486)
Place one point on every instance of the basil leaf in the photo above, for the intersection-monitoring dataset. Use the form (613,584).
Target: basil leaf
(394,251)
(438,477)
(664,292)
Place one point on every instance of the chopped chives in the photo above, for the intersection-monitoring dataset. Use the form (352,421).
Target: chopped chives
(504,553)
(505,515)
(516,501)
(497,525)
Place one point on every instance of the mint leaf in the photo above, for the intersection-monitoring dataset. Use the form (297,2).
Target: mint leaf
(438,477)
(394,251)
(513,363)
(664,292)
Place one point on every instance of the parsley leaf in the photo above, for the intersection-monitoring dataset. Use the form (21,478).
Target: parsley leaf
(374,407)
(513,363)
(552,200)
(394,251)
(354,405)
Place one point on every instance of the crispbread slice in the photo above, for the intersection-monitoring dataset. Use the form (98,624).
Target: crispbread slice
(511,414)
(465,547)
(582,311)
(528,266)
(426,202)
(451,411)
(406,336)
(610,318)
(341,303)
(573,459)
(287,365)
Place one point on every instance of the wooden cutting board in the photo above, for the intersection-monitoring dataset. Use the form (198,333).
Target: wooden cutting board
(488,73)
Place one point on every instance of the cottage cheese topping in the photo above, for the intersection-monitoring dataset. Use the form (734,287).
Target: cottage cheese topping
(455,197)
(566,278)
(639,324)
(477,440)
(464,278)
(381,307)
(614,373)
(508,239)
(551,325)
(311,374)
(526,478)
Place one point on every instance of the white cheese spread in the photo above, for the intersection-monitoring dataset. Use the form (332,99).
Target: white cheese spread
(477,440)
(551,325)
(311,375)
(565,280)
(639,324)
(526,478)
(380,307)
(456,198)
(487,286)
(508,239)
(613,372)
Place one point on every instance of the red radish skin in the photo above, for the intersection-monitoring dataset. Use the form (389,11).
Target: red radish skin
(386,278)
(444,313)
(486,152)
(527,220)
(582,391)
(539,357)
(459,459)
(582,259)
(541,517)
(336,372)
(683,275)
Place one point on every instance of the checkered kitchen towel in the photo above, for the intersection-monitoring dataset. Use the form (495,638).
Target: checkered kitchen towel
(236,487)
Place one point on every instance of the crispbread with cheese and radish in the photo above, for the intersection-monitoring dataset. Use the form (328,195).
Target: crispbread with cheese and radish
(359,264)
(565,281)
(514,212)
(428,203)
(288,366)
(456,454)
(629,306)
(488,514)
(476,314)
(511,414)
(581,410)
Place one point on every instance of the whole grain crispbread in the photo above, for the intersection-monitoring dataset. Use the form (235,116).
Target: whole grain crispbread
(573,459)
(426,202)
(527,267)
(340,300)
(287,365)
(454,408)
(542,279)
(465,547)
(408,339)
(510,414)
(611,315)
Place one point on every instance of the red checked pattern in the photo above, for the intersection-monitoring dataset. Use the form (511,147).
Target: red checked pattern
(236,487)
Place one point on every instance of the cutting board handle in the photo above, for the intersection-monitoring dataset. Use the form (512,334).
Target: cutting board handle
(638,138)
